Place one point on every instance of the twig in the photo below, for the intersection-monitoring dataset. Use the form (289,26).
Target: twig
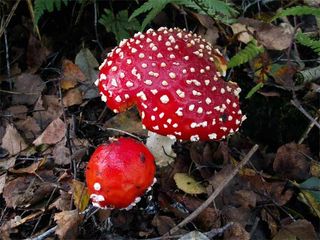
(216,192)
(306,133)
(304,112)
(96,25)
(7,58)
(6,23)
(45,234)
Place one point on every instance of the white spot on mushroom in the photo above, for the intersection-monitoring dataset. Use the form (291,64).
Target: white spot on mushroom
(230,118)
(212,136)
(129,61)
(184,71)
(192,69)
(103,98)
(114,82)
(172,75)
(169,120)
(180,93)
(164,83)
(244,117)
(193,125)
(153,118)
(196,93)
(208,100)
(172,56)
(222,90)
(213,88)
(154,91)
(96,198)
(179,112)
(141,55)
(207,82)
(234,105)
(148,82)
(126,96)
(159,55)
(129,84)
(161,115)
(194,138)
(97,186)
(191,107)
(228,101)
(224,129)
(156,127)
(142,95)
(238,122)
(164,99)
(202,71)
(109,63)
(200,110)
(96,82)
(133,50)
(172,137)
(118,99)
(175,125)
(148,40)
(163,64)
(186,58)
(213,122)
(103,76)
(143,115)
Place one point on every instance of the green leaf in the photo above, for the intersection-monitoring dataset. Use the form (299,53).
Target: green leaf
(298,11)
(188,184)
(310,194)
(40,6)
(245,55)
(119,24)
(254,90)
(305,40)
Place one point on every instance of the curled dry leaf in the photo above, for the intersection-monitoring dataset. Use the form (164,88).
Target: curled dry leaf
(63,202)
(291,161)
(36,53)
(236,232)
(52,134)
(188,184)
(88,64)
(17,112)
(29,87)
(80,195)
(240,215)
(68,222)
(12,140)
(29,127)
(300,229)
(161,148)
(242,32)
(163,224)
(72,97)
(270,36)
(2,182)
(29,189)
(47,108)
(61,153)
(71,75)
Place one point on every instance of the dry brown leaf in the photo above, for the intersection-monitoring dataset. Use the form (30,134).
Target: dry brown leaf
(72,97)
(236,232)
(52,134)
(5,164)
(270,36)
(17,111)
(163,224)
(291,161)
(80,195)
(12,140)
(29,87)
(270,216)
(242,32)
(36,53)
(71,75)
(63,202)
(300,229)
(29,127)
(47,108)
(68,222)
(2,182)
(29,189)
(246,198)
(61,153)
(30,169)
(240,215)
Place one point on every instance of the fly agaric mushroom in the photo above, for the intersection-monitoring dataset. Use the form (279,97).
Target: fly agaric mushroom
(174,79)
(119,173)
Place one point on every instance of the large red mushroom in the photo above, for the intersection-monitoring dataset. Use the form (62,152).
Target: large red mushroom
(119,173)
(174,78)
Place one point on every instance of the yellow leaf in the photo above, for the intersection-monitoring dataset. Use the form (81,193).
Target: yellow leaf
(188,184)
(80,195)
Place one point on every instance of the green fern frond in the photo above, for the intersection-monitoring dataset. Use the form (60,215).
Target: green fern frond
(40,6)
(305,40)
(245,55)
(154,7)
(119,24)
(298,11)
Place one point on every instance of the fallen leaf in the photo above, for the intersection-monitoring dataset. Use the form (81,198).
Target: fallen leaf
(194,235)
(239,215)
(52,134)
(72,97)
(242,32)
(63,202)
(188,184)
(310,194)
(270,216)
(163,224)
(68,222)
(12,140)
(5,164)
(29,127)
(80,195)
(161,148)
(236,232)
(291,161)
(71,75)
(29,169)
(128,121)
(29,189)
(299,230)
(88,64)
(29,87)
(2,182)
(246,198)
(61,153)
(36,53)
(270,36)
(17,112)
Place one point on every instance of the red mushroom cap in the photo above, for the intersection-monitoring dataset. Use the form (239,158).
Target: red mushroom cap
(119,173)
(174,79)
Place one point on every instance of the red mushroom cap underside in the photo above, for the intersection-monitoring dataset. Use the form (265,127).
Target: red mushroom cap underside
(119,173)
(174,79)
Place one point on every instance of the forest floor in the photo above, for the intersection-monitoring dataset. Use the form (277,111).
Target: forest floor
(52,119)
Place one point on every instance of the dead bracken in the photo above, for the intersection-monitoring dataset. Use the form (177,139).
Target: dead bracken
(174,78)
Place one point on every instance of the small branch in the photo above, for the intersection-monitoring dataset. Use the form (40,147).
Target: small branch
(45,234)
(216,192)
(304,112)
(6,23)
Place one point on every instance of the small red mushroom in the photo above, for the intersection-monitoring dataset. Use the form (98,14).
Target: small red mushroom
(119,173)
(174,78)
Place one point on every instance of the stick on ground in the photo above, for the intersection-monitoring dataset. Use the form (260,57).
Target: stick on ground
(216,192)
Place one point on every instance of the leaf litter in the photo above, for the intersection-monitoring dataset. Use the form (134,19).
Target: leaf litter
(48,133)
